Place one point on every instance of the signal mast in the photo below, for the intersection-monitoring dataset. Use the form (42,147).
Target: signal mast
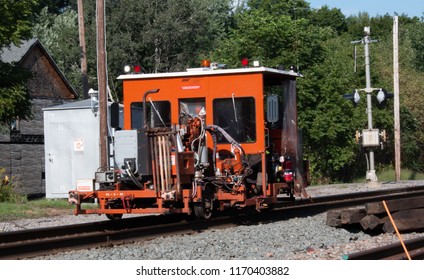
(371,137)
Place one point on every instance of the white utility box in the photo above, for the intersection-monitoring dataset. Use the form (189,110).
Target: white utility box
(370,138)
(71,146)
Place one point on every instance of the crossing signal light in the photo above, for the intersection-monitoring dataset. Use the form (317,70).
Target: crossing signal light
(382,97)
(354,97)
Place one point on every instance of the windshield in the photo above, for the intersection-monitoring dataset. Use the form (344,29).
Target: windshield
(158,114)
(237,117)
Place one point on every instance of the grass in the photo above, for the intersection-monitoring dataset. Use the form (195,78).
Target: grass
(405,174)
(14,205)
(388,174)
(34,209)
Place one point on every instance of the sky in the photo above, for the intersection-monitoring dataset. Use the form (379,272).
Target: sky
(374,7)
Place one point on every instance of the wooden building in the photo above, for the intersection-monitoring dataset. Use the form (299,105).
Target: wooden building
(22,147)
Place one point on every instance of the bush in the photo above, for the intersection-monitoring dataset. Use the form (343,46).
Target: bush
(7,192)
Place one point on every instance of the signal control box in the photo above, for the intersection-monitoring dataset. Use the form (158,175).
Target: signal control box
(370,138)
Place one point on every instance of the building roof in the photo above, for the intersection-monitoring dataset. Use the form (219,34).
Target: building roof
(80,104)
(209,72)
(15,54)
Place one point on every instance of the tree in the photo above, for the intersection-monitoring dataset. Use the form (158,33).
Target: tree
(272,39)
(326,17)
(164,35)
(329,122)
(15,26)
(417,43)
(59,36)
(159,35)
(295,9)
(54,6)
(14,96)
(381,26)
(15,21)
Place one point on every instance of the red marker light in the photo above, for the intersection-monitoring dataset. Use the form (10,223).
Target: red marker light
(137,69)
(244,61)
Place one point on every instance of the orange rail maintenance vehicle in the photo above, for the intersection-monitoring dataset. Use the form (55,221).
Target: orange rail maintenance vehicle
(203,140)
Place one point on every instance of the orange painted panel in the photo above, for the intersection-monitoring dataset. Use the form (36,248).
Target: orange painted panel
(209,87)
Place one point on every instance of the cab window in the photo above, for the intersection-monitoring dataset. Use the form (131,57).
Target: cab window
(158,114)
(237,117)
(191,107)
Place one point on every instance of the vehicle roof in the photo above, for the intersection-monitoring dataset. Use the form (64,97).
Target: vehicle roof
(208,72)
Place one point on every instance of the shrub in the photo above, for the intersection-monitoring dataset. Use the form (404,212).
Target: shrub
(7,192)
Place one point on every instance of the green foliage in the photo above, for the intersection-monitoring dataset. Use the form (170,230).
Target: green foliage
(159,35)
(165,35)
(7,192)
(326,17)
(381,26)
(14,97)
(411,143)
(59,35)
(15,21)
(53,6)
(293,8)
(417,43)
(271,39)
(412,102)
(329,122)
(15,26)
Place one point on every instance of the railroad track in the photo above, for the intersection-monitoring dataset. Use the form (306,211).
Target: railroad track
(42,241)
(393,251)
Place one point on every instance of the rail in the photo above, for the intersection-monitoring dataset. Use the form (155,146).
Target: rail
(393,251)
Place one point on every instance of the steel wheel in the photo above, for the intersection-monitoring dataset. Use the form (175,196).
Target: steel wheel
(114,217)
(203,210)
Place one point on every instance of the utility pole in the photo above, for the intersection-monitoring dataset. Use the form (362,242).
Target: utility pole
(396,97)
(102,83)
(83,50)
